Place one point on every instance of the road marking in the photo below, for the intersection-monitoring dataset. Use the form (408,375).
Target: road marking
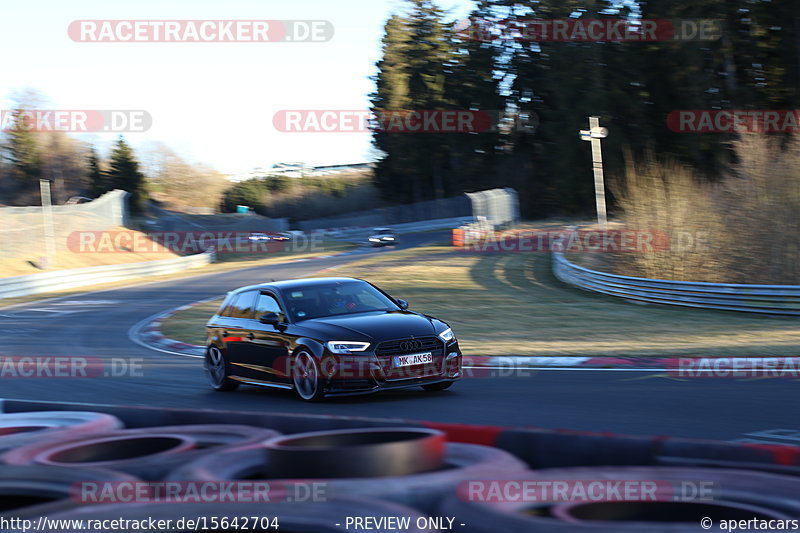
(66,307)
(772,435)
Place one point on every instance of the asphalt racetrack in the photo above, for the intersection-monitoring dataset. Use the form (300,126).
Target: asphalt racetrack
(634,402)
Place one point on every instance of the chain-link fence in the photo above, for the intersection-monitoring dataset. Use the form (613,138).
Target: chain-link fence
(22,229)
(499,206)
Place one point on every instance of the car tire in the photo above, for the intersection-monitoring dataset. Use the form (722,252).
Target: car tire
(442,385)
(217,371)
(306,377)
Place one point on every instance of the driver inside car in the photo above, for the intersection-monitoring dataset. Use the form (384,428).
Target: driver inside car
(340,303)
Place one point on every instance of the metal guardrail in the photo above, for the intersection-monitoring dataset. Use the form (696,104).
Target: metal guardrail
(767,299)
(79,277)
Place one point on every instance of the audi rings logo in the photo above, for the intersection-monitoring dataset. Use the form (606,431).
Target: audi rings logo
(410,345)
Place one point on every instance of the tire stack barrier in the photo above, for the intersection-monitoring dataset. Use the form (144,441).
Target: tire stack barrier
(735,495)
(422,472)
(32,490)
(148,453)
(373,467)
(19,429)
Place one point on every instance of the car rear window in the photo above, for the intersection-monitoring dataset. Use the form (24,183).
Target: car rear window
(241,305)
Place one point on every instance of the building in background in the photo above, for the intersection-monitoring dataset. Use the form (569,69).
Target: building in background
(302,170)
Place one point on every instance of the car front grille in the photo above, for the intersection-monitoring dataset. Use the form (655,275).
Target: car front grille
(386,351)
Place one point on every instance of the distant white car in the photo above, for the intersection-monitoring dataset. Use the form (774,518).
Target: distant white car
(383,237)
(256,237)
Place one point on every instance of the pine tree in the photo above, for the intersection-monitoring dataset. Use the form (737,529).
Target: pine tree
(124,174)
(23,152)
(412,73)
(98,180)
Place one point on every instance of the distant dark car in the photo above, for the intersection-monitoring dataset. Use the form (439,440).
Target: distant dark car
(327,337)
(383,237)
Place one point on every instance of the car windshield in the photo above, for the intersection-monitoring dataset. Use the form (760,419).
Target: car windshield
(336,298)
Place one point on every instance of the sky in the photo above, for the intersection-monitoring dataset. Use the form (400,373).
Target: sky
(212,103)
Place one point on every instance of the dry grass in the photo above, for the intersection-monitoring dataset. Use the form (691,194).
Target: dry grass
(744,229)
(65,259)
(225,263)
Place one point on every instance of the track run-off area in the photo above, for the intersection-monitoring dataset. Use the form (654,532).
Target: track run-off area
(98,325)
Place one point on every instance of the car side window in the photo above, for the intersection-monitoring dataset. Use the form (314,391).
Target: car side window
(241,306)
(268,304)
(245,304)
(230,309)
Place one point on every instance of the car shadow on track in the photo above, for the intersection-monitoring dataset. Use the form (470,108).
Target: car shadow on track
(279,398)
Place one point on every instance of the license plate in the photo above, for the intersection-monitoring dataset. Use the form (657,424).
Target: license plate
(413,359)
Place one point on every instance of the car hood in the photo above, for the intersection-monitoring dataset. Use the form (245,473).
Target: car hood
(374,326)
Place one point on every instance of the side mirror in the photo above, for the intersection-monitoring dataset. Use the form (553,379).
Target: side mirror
(270,318)
(402,303)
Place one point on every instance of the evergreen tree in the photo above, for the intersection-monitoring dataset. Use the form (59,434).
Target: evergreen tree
(124,174)
(98,181)
(23,152)
(411,77)
(632,86)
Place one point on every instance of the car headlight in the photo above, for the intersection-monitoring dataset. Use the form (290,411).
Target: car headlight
(447,335)
(345,347)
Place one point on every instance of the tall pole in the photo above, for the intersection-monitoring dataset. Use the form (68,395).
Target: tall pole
(47,218)
(594,134)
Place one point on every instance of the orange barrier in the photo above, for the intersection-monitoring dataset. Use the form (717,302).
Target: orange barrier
(458,237)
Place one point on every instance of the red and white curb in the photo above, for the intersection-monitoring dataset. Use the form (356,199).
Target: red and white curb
(148,334)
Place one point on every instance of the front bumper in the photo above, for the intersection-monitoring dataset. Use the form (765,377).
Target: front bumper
(352,375)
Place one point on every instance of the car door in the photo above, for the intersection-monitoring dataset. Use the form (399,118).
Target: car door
(267,346)
(235,332)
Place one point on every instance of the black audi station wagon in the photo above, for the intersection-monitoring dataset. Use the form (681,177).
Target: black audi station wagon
(327,337)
